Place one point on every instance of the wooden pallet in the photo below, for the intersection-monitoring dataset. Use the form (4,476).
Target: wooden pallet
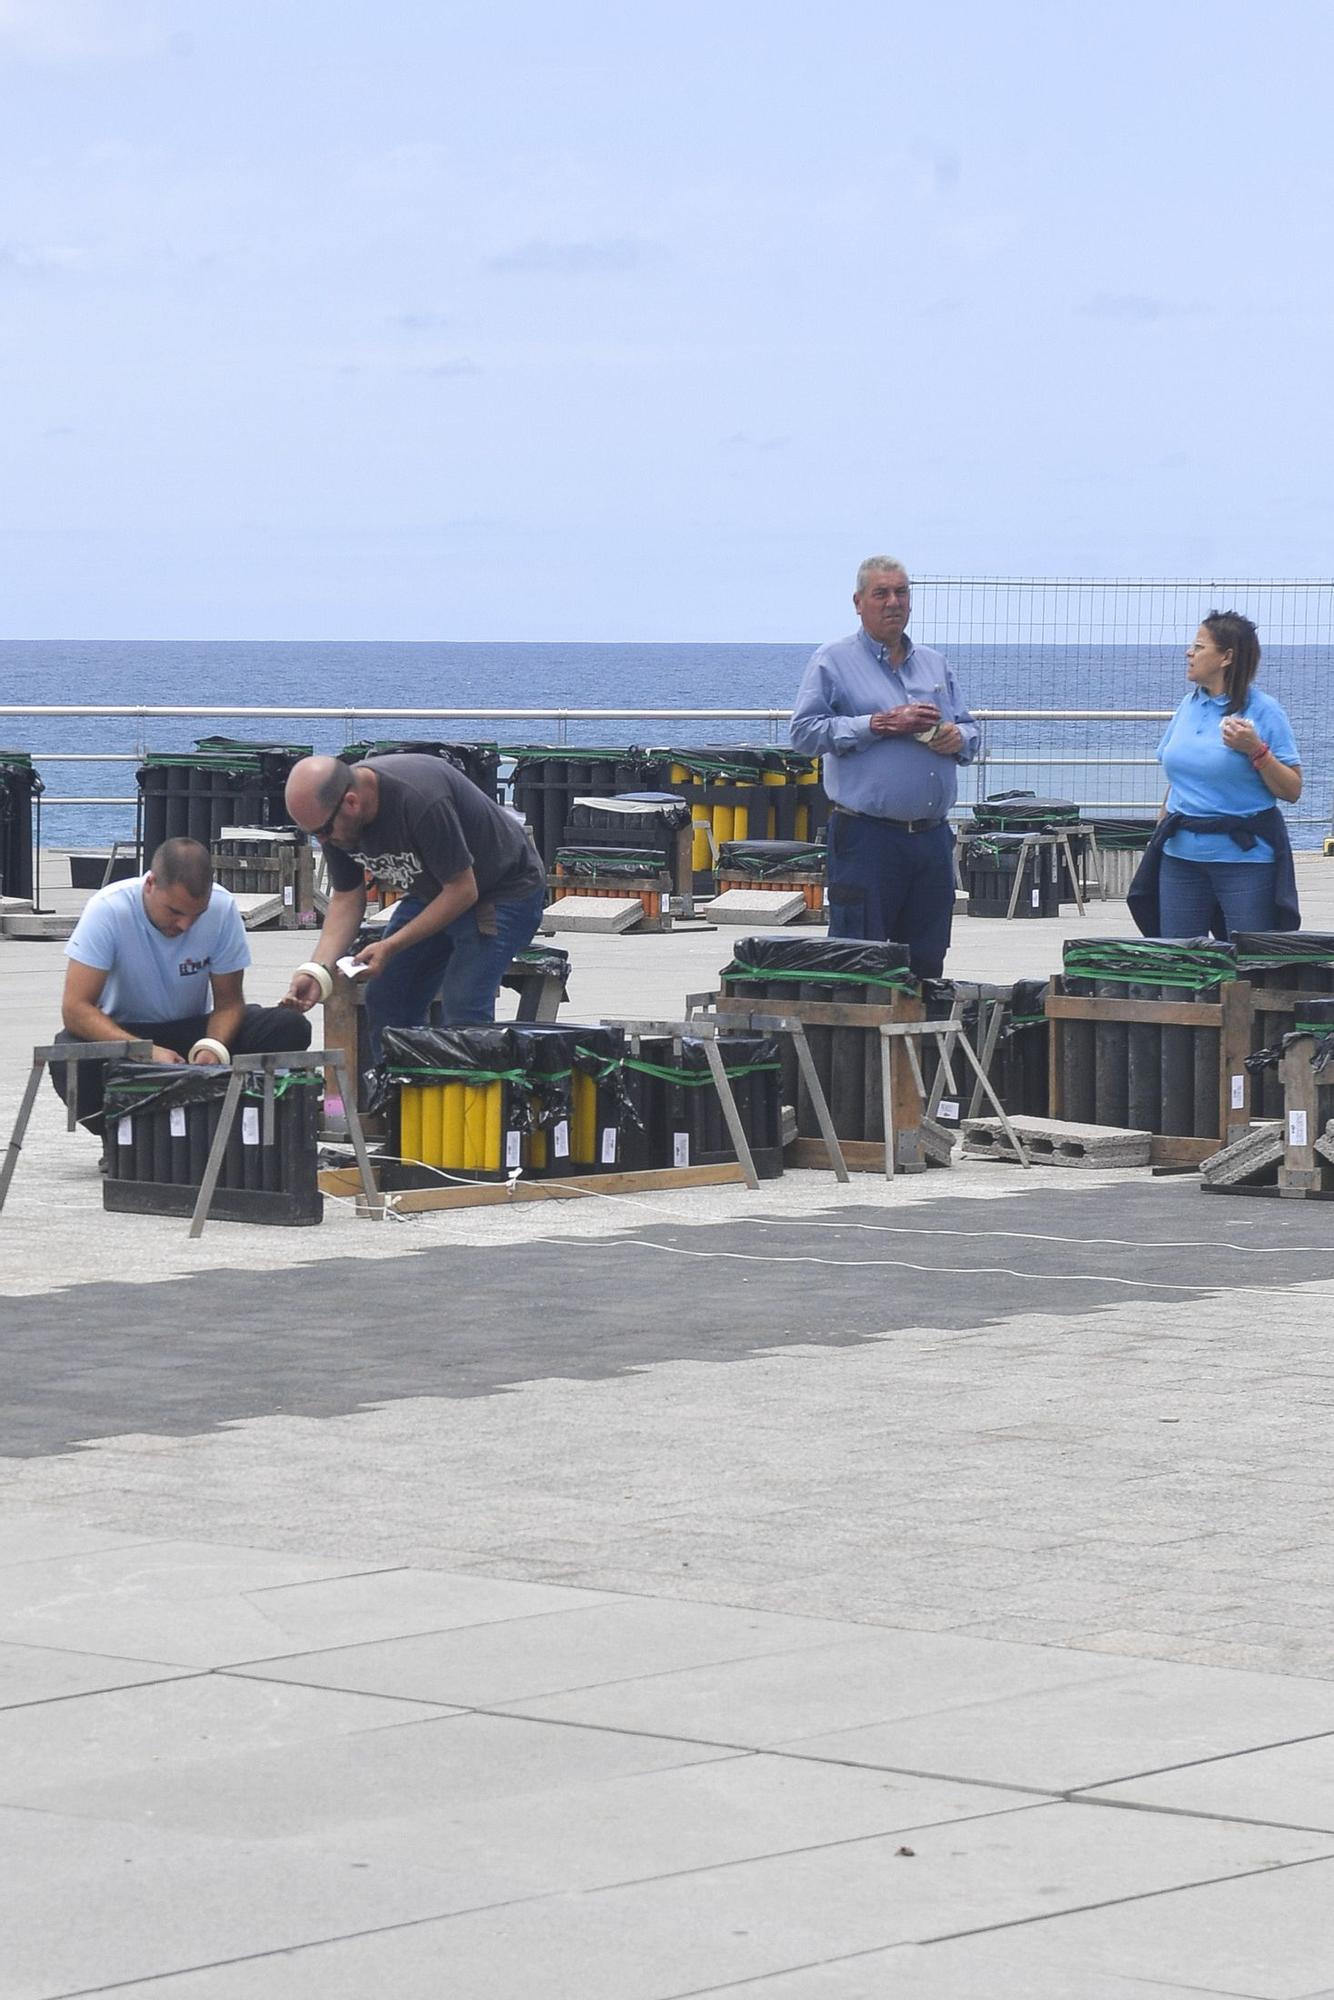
(496,1194)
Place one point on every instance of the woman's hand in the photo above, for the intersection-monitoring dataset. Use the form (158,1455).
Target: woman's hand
(1241,735)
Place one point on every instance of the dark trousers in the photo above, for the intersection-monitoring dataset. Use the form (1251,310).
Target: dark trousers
(461,963)
(886,883)
(1190,893)
(263,1030)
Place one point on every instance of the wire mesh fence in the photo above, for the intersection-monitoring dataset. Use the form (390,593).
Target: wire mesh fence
(1103,661)
(1074,678)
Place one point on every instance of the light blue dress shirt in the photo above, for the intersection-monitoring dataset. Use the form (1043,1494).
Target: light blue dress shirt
(893,777)
(1206,778)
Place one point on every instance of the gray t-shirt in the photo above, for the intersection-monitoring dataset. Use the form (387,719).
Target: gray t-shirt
(432,823)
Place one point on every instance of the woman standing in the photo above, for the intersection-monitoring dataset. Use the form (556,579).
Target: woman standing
(1224,862)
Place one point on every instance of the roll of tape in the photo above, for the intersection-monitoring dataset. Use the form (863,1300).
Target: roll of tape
(320,974)
(207,1046)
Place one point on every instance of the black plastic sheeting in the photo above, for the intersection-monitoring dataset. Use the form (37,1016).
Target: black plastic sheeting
(1186,962)
(769,857)
(136,1086)
(1023,812)
(822,957)
(1265,948)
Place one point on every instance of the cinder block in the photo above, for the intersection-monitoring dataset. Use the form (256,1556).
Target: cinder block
(755,907)
(1053,1142)
(592,913)
(1251,1161)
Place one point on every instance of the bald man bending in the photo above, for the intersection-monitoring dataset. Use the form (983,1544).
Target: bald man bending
(470,882)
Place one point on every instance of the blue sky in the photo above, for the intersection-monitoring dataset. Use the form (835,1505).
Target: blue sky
(408,319)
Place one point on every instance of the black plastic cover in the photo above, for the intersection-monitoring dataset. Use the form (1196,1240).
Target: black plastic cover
(1284,948)
(856,957)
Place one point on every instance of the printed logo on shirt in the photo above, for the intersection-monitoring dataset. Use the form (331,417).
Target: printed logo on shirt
(188,967)
(396,871)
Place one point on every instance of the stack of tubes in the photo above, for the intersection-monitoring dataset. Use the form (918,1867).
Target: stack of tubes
(1149,1078)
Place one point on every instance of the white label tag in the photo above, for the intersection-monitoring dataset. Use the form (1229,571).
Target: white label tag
(178,1121)
(1238,1092)
(609,1137)
(250,1125)
(289,895)
(125,1132)
(680,1149)
(1296,1128)
(513,1149)
(948,1109)
(560,1140)
(1036,898)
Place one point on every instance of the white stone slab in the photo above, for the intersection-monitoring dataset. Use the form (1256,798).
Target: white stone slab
(770,1700)
(1293,1784)
(29,925)
(692,1933)
(257,908)
(188,1603)
(1066,1737)
(603,915)
(103,1903)
(65,1750)
(398,1603)
(619,1641)
(31,1674)
(1268,1936)
(760,907)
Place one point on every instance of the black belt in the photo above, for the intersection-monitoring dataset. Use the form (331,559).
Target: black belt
(881,819)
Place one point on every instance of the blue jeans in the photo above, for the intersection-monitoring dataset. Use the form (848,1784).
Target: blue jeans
(460,963)
(1189,892)
(887,883)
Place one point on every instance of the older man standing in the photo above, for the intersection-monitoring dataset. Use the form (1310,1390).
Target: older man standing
(887,717)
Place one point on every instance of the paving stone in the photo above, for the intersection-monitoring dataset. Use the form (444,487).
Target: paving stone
(595,914)
(755,906)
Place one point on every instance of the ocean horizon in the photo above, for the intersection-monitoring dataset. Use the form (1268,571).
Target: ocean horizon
(1105,765)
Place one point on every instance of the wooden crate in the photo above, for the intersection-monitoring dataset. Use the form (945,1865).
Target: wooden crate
(1230,1015)
(862,1155)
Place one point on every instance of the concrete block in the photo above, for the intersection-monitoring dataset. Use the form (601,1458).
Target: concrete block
(755,907)
(1251,1161)
(29,924)
(15,906)
(604,914)
(1324,1145)
(1053,1142)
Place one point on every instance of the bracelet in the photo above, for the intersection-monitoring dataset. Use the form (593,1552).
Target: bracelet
(206,1046)
(1260,755)
(320,974)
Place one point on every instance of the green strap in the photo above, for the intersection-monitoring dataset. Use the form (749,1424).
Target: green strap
(1149,965)
(901,980)
(459,1076)
(696,1079)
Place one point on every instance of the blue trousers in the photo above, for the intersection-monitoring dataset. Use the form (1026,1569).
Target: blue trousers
(460,963)
(887,883)
(1189,892)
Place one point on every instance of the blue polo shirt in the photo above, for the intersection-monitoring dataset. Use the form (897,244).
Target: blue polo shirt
(152,977)
(1206,778)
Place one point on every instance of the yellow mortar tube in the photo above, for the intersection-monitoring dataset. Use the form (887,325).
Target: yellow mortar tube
(410,1121)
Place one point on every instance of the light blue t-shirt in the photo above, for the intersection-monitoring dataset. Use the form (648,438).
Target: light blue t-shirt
(153,977)
(1206,778)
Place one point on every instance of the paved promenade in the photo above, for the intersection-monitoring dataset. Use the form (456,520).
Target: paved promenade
(917,1590)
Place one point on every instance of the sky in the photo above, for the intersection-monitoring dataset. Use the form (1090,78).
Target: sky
(358,319)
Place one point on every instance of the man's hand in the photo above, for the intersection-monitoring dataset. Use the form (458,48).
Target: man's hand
(206,1060)
(302,994)
(161,1055)
(947,741)
(906,721)
(375,957)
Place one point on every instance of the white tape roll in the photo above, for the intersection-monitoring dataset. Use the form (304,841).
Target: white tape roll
(320,974)
(207,1046)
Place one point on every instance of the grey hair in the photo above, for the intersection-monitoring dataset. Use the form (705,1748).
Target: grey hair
(874,565)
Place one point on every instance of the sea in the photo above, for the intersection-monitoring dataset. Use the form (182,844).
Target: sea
(1106,766)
